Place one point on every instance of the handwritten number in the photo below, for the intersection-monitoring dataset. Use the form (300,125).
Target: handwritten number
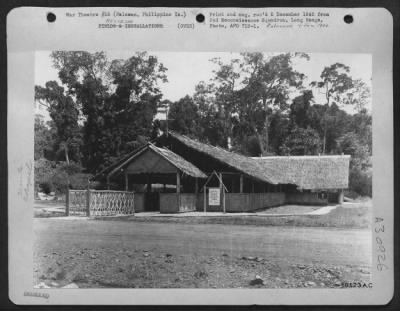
(381,229)
(380,266)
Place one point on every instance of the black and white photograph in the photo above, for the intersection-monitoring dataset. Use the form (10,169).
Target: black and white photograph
(200,156)
(202,170)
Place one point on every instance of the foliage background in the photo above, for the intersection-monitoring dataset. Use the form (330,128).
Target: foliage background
(255,104)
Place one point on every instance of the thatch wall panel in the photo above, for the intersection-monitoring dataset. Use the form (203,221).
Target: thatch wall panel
(305,199)
(169,203)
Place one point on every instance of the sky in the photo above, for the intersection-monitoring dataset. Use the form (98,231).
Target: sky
(187,69)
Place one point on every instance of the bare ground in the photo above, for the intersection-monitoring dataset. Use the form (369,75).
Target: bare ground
(94,253)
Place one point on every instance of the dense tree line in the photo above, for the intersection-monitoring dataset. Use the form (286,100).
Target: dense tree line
(255,105)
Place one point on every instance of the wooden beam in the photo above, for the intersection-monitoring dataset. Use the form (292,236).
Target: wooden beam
(223,202)
(341,196)
(196,185)
(241,183)
(178,183)
(205,199)
(88,203)
(67,202)
(148,183)
(222,191)
(126,182)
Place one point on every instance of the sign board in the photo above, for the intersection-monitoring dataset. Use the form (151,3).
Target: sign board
(214,196)
(161,114)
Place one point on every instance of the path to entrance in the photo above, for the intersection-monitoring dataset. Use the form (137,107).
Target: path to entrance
(289,210)
(320,211)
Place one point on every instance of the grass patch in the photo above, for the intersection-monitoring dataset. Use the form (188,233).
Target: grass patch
(47,214)
(289,209)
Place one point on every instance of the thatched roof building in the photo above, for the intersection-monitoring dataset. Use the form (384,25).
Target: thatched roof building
(238,162)
(247,183)
(306,172)
(309,172)
(170,158)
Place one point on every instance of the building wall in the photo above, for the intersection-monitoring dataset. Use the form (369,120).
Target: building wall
(169,203)
(177,202)
(234,202)
(244,202)
(187,202)
(138,202)
(306,198)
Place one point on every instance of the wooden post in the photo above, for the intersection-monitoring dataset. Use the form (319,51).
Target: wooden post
(340,196)
(241,183)
(178,183)
(126,182)
(252,185)
(148,183)
(222,191)
(196,185)
(67,203)
(88,202)
(205,198)
(178,189)
(165,188)
(223,202)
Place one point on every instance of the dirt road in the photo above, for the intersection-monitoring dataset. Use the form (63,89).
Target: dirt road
(104,245)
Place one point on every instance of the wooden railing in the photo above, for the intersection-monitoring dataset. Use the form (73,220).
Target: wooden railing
(99,203)
(76,203)
(111,203)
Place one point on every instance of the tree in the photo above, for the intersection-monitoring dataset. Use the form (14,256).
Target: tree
(360,179)
(359,95)
(267,88)
(44,139)
(301,142)
(335,82)
(184,117)
(247,92)
(64,113)
(301,113)
(212,126)
(118,100)
(361,124)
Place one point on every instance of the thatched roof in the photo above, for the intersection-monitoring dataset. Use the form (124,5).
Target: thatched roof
(306,172)
(104,172)
(236,161)
(179,162)
(309,172)
(176,160)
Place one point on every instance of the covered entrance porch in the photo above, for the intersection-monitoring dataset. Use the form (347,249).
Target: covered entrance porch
(162,180)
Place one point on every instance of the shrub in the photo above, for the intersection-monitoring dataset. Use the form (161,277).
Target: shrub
(60,180)
(71,168)
(361,181)
(44,169)
(46,187)
(79,181)
(52,176)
